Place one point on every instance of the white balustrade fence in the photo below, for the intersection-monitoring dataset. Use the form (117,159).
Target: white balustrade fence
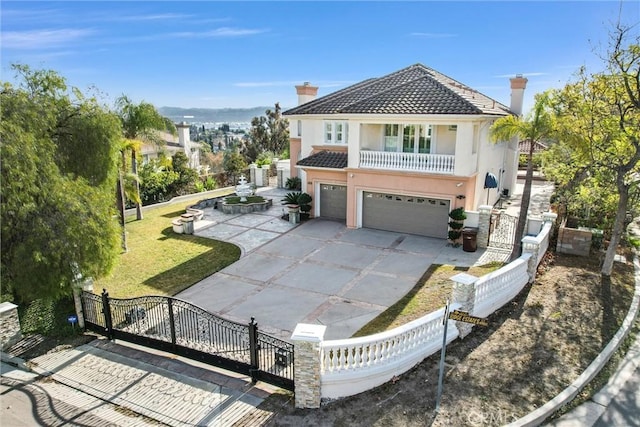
(351,366)
(419,162)
(497,288)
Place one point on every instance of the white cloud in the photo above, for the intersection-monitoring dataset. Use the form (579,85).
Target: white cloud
(153,17)
(42,39)
(219,32)
(434,35)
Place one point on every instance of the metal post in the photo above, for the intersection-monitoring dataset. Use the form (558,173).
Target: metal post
(253,348)
(442,355)
(106,310)
(171,321)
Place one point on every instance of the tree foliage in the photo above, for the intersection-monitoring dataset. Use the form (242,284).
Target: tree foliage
(59,164)
(141,124)
(599,132)
(233,163)
(268,133)
(536,126)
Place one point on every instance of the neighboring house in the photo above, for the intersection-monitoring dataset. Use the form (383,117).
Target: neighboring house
(401,151)
(173,144)
(525,146)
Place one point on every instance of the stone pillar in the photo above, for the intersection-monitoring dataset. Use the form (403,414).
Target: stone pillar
(306,366)
(530,245)
(86,285)
(484,222)
(10,332)
(252,173)
(464,293)
(264,172)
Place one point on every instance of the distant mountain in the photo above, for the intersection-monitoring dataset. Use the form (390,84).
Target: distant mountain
(213,115)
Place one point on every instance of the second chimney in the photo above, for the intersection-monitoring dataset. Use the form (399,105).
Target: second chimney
(518,85)
(306,93)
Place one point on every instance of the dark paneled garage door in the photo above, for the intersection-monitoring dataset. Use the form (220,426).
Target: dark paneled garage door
(333,201)
(406,214)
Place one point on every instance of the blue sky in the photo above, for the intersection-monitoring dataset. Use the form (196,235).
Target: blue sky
(244,54)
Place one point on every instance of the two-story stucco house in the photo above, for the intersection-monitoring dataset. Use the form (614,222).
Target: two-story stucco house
(399,152)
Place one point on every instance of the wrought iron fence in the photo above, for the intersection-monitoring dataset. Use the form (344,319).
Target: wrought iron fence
(182,328)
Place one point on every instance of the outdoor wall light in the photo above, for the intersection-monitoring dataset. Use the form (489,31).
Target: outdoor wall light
(461,196)
(459,184)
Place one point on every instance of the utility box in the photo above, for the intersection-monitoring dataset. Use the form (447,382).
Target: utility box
(469,239)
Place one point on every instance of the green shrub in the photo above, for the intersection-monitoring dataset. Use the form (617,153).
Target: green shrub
(301,199)
(294,183)
(48,317)
(210,183)
(454,235)
(536,160)
(458,214)
(264,158)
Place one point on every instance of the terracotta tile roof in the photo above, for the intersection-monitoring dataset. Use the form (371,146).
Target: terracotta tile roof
(413,90)
(524,147)
(325,159)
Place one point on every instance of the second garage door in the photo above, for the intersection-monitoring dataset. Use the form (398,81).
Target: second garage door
(406,214)
(333,201)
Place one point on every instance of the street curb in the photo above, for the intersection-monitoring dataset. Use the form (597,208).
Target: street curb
(538,416)
(13,361)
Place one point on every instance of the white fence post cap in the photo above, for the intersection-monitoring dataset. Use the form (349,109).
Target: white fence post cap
(308,332)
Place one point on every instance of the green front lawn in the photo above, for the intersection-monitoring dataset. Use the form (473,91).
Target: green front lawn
(161,262)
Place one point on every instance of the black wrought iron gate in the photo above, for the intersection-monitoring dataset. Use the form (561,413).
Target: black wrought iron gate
(179,327)
(502,231)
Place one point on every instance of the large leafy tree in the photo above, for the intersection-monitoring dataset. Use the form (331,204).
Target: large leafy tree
(233,163)
(599,123)
(141,123)
(536,126)
(268,133)
(59,164)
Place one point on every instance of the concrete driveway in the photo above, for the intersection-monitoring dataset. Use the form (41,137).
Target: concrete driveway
(317,272)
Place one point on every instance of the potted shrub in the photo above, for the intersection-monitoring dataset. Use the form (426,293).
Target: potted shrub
(298,200)
(457,216)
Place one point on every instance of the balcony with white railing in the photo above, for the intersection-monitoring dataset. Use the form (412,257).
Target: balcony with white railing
(410,162)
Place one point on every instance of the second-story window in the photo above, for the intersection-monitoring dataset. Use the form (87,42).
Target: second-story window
(299,130)
(407,138)
(336,132)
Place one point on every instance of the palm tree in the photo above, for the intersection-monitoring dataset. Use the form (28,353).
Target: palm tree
(140,124)
(536,126)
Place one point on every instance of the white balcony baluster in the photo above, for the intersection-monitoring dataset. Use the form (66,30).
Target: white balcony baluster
(418,162)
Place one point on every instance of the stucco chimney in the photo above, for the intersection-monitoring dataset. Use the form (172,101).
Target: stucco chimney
(184,138)
(518,85)
(306,93)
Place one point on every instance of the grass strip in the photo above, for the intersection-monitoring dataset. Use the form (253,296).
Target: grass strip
(429,294)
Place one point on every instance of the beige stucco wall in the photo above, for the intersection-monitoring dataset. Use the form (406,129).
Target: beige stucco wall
(359,180)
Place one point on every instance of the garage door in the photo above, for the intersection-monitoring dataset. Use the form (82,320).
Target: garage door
(333,201)
(406,214)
